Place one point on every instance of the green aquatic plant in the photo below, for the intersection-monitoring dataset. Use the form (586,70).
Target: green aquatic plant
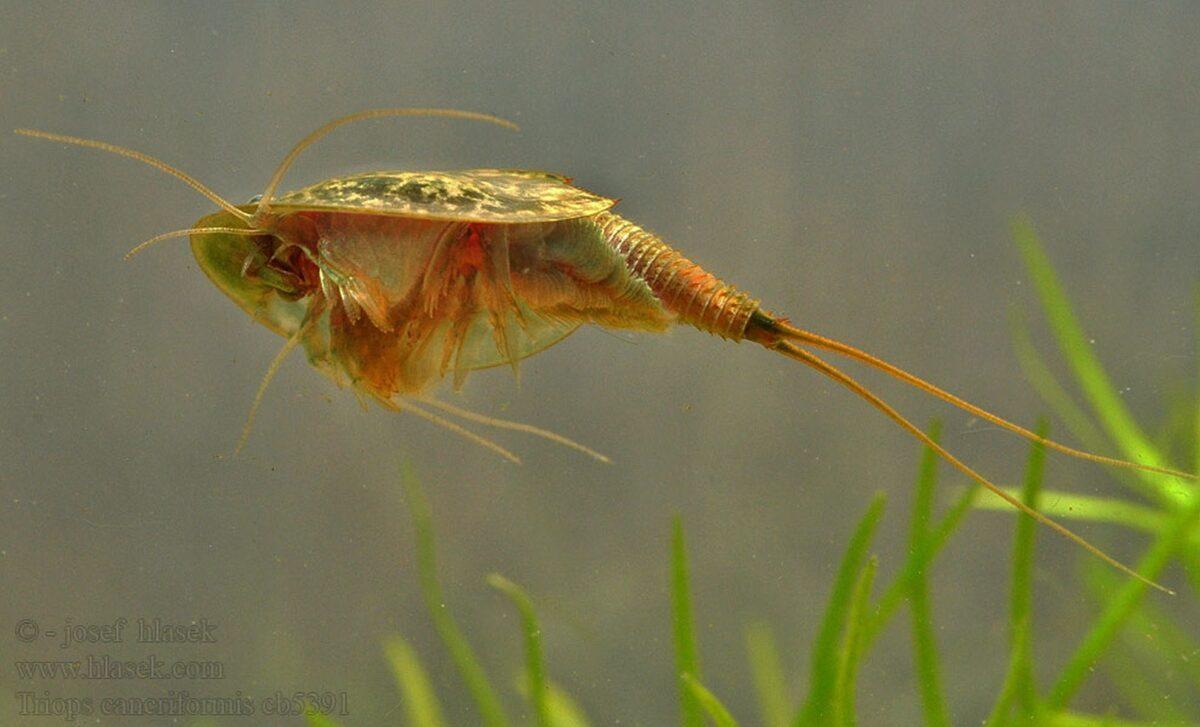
(1148,655)
(937,712)
(844,637)
(687,661)
(1173,515)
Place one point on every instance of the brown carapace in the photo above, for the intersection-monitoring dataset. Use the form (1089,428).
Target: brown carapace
(392,281)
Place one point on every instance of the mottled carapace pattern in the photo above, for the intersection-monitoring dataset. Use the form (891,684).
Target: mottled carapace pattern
(477,195)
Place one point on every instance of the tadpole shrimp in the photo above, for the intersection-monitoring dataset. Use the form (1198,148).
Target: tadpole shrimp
(393,280)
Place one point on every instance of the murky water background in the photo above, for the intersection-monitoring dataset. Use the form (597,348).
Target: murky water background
(856,168)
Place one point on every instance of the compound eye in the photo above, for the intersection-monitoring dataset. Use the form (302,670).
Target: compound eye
(255,199)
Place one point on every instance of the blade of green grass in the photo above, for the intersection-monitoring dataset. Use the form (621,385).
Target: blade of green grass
(709,702)
(1048,387)
(564,712)
(1190,557)
(1066,505)
(1121,605)
(1091,508)
(1021,642)
(534,668)
(1173,435)
(1018,690)
(1063,405)
(1021,601)
(561,708)
(818,707)
(852,644)
(420,701)
(1191,560)
(897,592)
(767,671)
(1154,485)
(1069,506)
(1089,373)
(687,659)
(469,668)
(933,702)
(1074,719)
(1196,461)
(316,719)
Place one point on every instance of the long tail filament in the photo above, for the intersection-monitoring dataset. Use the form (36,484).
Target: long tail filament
(829,344)
(808,359)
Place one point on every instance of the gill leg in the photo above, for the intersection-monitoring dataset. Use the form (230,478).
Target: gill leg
(695,296)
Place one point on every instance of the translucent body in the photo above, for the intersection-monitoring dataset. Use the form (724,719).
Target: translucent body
(406,301)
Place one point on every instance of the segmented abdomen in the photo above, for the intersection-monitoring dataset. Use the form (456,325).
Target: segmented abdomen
(696,296)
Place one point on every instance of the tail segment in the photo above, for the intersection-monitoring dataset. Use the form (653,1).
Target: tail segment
(697,297)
